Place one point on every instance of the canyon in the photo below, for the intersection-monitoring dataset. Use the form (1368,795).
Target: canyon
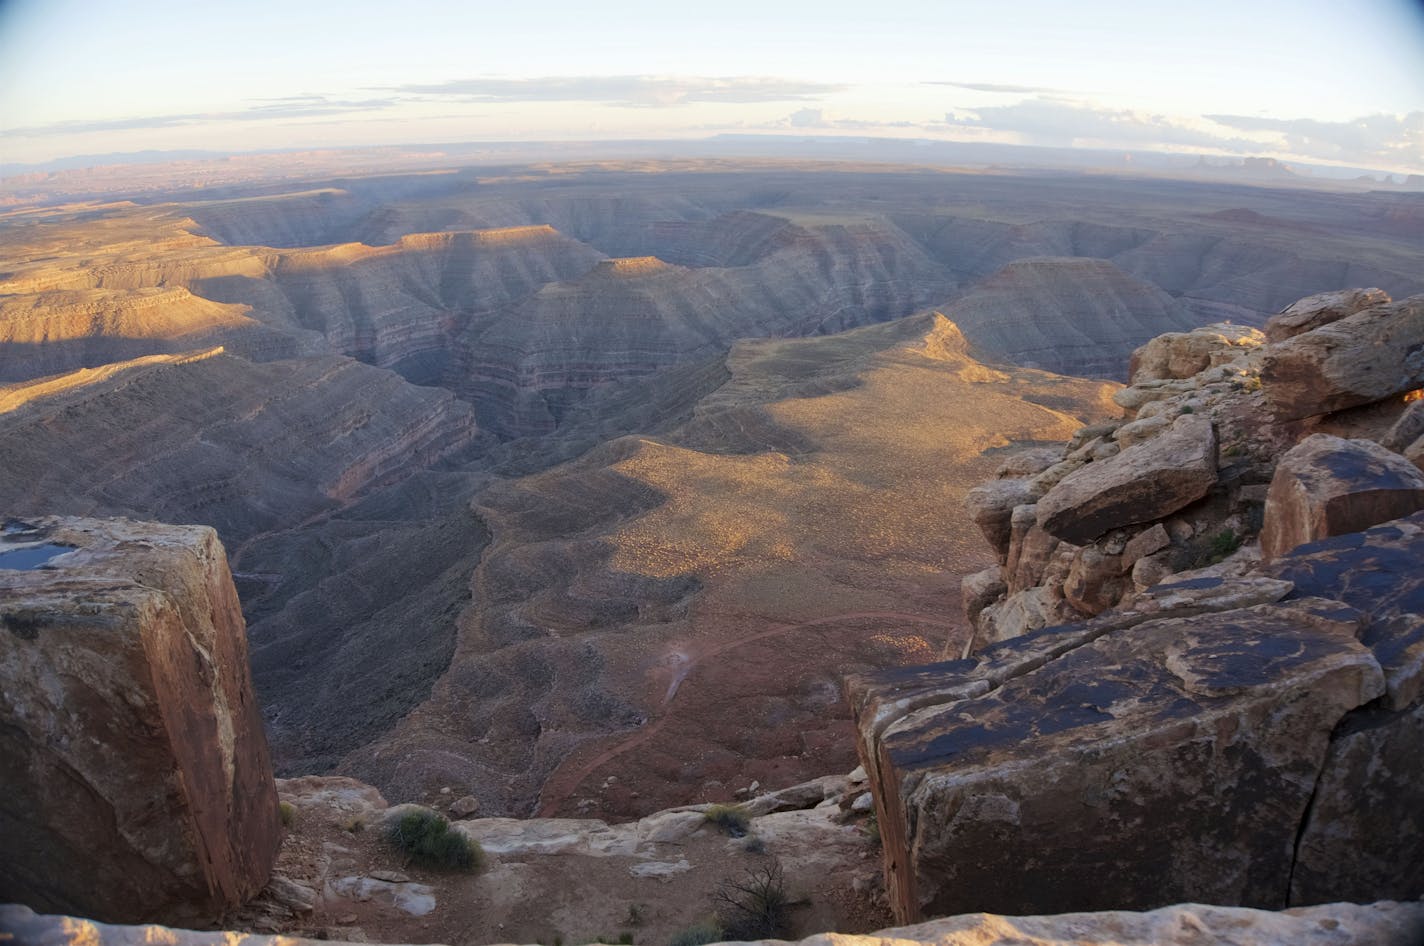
(521,468)
(569,500)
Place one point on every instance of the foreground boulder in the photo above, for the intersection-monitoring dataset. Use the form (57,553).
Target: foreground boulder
(1140,484)
(136,783)
(1326,486)
(1266,755)
(1366,357)
(1320,309)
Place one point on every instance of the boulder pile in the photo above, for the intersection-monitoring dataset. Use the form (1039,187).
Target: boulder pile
(1197,673)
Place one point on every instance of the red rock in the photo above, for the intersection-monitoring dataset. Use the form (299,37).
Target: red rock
(1325,486)
(136,783)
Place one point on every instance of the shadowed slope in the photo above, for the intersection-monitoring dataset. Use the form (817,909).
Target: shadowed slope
(676,612)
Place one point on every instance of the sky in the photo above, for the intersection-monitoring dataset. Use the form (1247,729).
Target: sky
(1328,81)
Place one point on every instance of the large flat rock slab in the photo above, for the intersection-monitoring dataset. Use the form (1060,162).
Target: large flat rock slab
(136,781)
(1141,484)
(1173,760)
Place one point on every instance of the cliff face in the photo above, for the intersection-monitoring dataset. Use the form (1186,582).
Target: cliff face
(1207,727)
(137,783)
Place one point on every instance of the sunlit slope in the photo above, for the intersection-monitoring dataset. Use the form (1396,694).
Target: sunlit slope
(676,612)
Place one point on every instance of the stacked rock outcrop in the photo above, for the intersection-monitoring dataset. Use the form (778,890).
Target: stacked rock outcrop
(136,782)
(1182,481)
(1156,706)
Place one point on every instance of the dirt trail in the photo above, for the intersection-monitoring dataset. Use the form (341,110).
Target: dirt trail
(565,781)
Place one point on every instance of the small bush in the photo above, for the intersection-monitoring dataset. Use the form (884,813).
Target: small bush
(698,935)
(754,844)
(733,820)
(288,813)
(872,829)
(637,913)
(756,907)
(425,838)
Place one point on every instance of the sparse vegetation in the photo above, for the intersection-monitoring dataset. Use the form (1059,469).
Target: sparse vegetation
(872,829)
(698,935)
(755,907)
(353,825)
(426,839)
(754,844)
(637,914)
(732,820)
(288,813)
(1210,550)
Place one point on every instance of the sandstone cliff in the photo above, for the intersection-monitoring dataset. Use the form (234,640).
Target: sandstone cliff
(136,783)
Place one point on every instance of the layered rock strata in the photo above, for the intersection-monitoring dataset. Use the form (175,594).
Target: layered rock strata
(136,782)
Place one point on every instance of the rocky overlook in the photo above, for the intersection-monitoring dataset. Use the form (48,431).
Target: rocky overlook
(427,381)
(1200,650)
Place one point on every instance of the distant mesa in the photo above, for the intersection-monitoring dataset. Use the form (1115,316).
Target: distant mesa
(632,266)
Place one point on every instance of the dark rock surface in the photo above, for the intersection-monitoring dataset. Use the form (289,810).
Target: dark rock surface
(1265,755)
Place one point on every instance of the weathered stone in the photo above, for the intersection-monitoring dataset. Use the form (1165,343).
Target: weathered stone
(1326,486)
(136,782)
(1320,309)
(1184,354)
(1158,764)
(979,590)
(1140,431)
(1366,827)
(1029,462)
(1024,611)
(1143,483)
(1136,397)
(1408,428)
(1366,357)
(1149,540)
(1364,834)
(464,806)
(1414,453)
(991,506)
(1338,924)
(1095,581)
(1199,595)
(1150,569)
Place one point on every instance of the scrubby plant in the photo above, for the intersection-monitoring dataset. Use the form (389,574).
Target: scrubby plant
(425,838)
(288,813)
(754,844)
(637,914)
(698,935)
(872,829)
(755,907)
(733,820)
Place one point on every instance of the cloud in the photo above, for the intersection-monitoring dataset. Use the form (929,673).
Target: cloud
(627,91)
(998,87)
(297,106)
(1369,141)
(1396,138)
(1065,123)
(805,118)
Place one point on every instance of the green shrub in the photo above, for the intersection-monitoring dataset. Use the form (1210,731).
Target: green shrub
(872,829)
(756,907)
(698,935)
(733,820)
(288,813)
(425,838)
